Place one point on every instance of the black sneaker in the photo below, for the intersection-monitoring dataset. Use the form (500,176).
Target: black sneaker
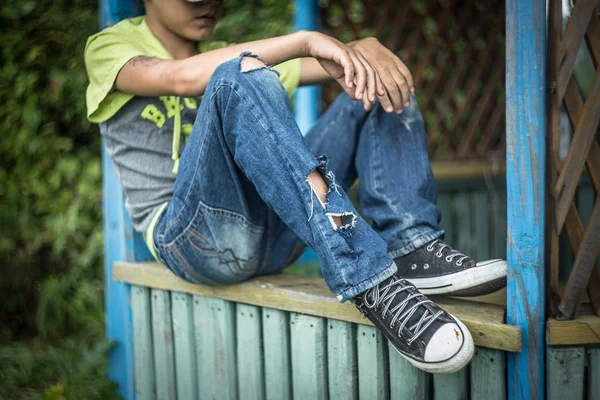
(427,336)
(436,268)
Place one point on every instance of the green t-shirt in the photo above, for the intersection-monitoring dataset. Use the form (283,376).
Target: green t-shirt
(109,50)
(144,136)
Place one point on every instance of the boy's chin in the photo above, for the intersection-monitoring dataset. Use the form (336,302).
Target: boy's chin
(198,34)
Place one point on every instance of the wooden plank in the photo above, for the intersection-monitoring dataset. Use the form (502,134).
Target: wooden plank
(406,381)
(481,219)
(309,358)
(162,339)
(463,217)
(142,340)
(341,359)
(445,204)
(373,375)
(488,374)
(451,386)
(276,344)
(526,88)
(585,262)
(214,328)
(584,329)
(185,346)
(585,204)
(571,42)
(310,295)
(593,40)
(565,373)
(250,353)
(593,377)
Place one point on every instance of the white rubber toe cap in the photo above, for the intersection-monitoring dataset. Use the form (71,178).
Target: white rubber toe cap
(445,343)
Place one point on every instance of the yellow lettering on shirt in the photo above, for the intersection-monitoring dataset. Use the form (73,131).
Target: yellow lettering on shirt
(153,114)
(186,129)
(170,103)
(190,103)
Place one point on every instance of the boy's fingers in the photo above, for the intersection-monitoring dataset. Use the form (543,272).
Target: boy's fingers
(360,75)
(370,77)
(393,91)
(386,103)
(407,75)
(380,86)
(348,65)
(404,89)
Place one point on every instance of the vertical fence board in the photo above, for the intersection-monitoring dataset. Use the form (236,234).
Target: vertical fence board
(142,343)
(447,210)
(498,227)
(481,216)
(373,376)
(249,353)
(593,376)
(185,349)
(451,386)
(565,373)
(162,339)
(309,361)
(465,239)
(276,344)
(406,381)
(214,328)
(341,359)
(488,374)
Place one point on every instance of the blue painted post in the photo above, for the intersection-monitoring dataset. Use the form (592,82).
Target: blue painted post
(525,183)
(307,99)
(120,243)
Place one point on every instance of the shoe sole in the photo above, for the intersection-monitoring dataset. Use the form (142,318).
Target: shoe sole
(454,364)
(477,281)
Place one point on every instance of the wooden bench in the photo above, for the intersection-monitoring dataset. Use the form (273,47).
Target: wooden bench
(285,336)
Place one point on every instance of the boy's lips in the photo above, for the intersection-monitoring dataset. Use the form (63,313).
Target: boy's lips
(205,20)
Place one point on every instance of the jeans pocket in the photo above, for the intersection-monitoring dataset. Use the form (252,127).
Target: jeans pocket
(217,247)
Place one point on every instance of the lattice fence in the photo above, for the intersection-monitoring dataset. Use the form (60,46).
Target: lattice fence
(455,51)
(583,29)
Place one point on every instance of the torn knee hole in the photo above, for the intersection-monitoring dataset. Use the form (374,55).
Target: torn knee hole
(338,220)
(250,63)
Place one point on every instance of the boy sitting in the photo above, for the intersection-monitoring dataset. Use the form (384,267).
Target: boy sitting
(225,187)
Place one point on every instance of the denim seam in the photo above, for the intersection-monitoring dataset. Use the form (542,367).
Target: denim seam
(413,243)
(232,214)
(368,283)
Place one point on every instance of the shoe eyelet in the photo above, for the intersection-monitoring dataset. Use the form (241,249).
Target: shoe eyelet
(413,267)
(438,254)
(448,259)
(429,248)
(459,263)
(426,266)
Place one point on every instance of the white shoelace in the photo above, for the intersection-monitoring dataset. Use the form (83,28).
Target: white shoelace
(377,296)
(450,257)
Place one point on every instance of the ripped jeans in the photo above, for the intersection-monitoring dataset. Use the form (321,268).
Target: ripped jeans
(242,205)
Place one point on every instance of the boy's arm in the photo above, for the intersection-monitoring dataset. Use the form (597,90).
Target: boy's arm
(395,76)
(146,76)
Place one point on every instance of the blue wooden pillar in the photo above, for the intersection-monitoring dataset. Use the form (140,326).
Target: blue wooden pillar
(120,243)
(307,99)
(525,183)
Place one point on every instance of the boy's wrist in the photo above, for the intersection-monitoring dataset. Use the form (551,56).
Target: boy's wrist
(305,38)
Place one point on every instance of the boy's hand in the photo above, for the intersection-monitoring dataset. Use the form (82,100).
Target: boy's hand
(395,76)
(347,66)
